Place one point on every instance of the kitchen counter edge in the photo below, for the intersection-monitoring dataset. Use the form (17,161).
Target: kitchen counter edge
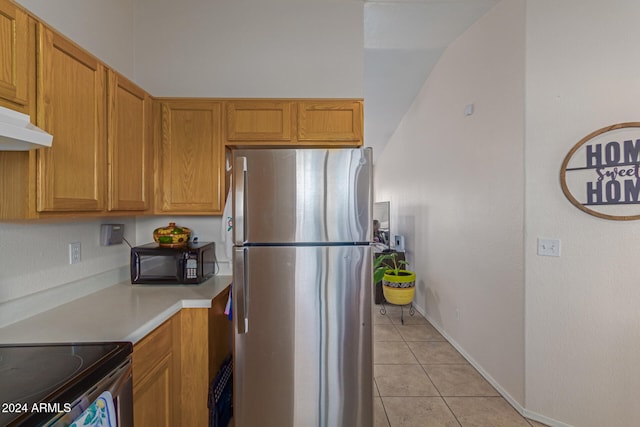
(122,312)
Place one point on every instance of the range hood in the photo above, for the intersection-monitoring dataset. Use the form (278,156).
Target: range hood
(18,134)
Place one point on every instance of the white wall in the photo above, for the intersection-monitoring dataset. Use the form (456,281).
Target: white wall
(248,48)
(34,263)
(104,28)
(456,183)
(35,274)
(583,321)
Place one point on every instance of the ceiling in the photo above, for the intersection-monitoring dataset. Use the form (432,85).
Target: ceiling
(403,40)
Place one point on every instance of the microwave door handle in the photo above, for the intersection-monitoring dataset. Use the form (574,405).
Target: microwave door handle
(240,295)
(239,197)
(136,263)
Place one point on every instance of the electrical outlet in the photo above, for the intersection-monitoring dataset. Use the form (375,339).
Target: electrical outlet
(548,247)
(75,253)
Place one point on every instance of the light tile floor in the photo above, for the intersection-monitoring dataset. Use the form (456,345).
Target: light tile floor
(421,380)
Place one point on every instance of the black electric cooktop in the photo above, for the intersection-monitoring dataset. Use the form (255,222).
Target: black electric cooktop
(39,374)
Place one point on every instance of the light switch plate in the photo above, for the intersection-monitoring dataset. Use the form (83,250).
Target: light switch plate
(468,109)
(548,247)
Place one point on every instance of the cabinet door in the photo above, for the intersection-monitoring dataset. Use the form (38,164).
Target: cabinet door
(194,367)
(330,121)
(152,401)
(129,145)
(13,53)
(71,104)
(155,377)
(258,120)
(190,159)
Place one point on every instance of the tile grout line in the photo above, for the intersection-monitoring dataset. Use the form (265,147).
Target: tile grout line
(397,327)
(382,402)
(433,383)
(424,370)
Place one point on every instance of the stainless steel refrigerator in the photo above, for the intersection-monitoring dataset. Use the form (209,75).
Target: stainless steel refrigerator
(302,282)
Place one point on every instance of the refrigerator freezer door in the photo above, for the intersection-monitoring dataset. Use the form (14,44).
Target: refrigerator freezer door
(303,357)
(303,196)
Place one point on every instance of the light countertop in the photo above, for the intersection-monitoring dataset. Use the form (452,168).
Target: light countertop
(121,312)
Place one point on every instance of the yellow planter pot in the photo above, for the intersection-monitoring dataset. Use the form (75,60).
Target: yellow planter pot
(406,279)
(398,296)
(399,289)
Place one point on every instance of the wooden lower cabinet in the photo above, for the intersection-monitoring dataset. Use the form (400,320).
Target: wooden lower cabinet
(155,376)
(153,405)
(172,366)
(194,368)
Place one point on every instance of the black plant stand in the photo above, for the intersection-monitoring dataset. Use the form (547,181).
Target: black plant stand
(412,310)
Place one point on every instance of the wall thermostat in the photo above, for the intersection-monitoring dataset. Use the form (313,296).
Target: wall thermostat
(399,243)
(111,234)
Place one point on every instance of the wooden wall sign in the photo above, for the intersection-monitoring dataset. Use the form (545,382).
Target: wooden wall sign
(600,175)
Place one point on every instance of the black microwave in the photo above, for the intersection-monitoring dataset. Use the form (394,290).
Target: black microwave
(191,264)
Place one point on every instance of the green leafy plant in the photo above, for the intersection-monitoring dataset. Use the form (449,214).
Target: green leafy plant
(380,269)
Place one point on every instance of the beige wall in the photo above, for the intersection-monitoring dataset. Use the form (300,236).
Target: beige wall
(456,184)
(583,321)
(558,335)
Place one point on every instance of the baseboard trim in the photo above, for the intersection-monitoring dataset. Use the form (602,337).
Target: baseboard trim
(513,402)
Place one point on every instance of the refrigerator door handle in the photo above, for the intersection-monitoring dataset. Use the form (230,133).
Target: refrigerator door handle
(240,174)
(240,285)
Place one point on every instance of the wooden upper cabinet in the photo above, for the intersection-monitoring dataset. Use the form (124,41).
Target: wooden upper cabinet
(190,158)
(71,106)
(258,120)
(129,146)
(294,122)
(13,54)
(330,121)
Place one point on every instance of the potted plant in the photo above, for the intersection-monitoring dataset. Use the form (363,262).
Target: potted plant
(398,285)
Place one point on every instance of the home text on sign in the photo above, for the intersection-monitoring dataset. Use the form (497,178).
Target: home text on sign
(601,174)
(619,172)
